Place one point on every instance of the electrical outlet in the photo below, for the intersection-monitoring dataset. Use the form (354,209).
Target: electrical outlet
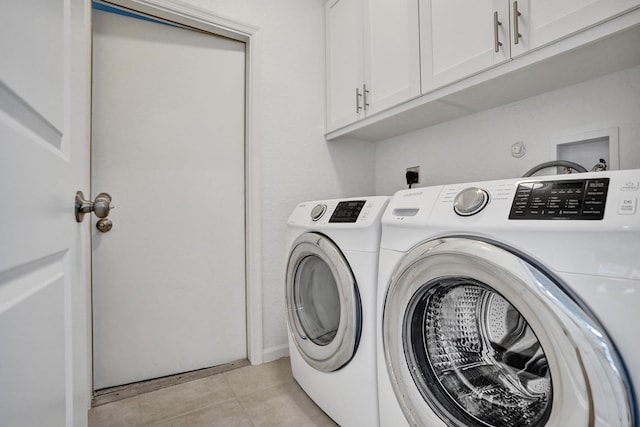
(413,175)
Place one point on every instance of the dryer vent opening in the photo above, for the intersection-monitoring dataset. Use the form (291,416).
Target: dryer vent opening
(476,359)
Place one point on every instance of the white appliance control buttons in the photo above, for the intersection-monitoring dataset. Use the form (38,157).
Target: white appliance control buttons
(470,201)
(628,206)
(629,186)
(318,211)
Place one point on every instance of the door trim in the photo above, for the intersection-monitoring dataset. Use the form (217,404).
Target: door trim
(206,21)
(333,355)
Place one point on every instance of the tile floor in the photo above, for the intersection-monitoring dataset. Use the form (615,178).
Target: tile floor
(252,396)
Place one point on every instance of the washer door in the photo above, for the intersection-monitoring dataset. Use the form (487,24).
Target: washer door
(475,335)
(323,303)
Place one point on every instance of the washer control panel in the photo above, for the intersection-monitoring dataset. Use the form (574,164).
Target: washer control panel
(347,211)
(576,199)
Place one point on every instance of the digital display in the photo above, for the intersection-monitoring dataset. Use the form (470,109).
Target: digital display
(347,211)
(581,199)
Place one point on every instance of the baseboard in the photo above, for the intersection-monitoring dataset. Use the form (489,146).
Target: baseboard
(274,353)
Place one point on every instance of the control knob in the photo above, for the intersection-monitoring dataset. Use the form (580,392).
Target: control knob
(470,201)
(317,211)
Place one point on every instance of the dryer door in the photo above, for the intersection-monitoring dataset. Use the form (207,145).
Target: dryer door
(475,335)
(323,303)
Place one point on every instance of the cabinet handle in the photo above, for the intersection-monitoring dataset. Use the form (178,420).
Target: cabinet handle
(496,24)
(365,93)
(358,96)
(516,31)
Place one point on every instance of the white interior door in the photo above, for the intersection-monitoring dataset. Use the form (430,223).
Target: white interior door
(44,252)
(168,145)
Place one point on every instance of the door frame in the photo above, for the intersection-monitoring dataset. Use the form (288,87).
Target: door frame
(204,20)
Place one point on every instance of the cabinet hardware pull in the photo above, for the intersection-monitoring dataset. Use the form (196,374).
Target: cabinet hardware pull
(365,93)
(516,31)
(358,96)
(496,24)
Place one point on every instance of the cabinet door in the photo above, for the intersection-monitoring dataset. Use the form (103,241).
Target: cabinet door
(392,52)
(460,37)
(544,21)
(344,61)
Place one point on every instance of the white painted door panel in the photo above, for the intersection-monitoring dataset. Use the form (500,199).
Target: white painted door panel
(44,252)
(344,44)
(168,145)
(458,40)
(392,53)
(544,21)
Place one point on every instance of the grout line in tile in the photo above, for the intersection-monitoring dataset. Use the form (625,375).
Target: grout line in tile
(249,417)
(185,414)
(226,380)
(262,390)
(199,408)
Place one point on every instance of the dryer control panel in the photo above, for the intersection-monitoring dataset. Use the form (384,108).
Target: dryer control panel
(333,214)
(347,211)
(576,199)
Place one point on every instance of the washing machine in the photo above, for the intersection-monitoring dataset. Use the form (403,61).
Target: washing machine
(331,291)
(511,303)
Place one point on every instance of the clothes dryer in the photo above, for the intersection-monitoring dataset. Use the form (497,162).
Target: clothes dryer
(511,302)
(331,290)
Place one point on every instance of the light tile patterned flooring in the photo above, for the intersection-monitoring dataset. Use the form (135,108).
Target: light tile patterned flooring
(252,396)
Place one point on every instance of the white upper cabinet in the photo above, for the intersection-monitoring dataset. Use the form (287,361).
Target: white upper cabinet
(540,22)
(397,66)
(391,53)
(345,69)
(460,38)
(373,57)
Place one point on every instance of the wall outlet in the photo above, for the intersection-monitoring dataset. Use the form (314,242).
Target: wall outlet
(413,175)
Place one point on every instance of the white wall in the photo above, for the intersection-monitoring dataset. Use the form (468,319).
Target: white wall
(297,164)
(478,147)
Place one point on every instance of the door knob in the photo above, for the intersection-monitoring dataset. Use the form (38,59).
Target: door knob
(101,206)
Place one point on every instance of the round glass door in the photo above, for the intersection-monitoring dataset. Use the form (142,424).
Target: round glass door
(476,355)
(317,300)
(476,335)
(323,303)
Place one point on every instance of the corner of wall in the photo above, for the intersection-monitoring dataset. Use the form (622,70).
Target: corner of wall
(274,353)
